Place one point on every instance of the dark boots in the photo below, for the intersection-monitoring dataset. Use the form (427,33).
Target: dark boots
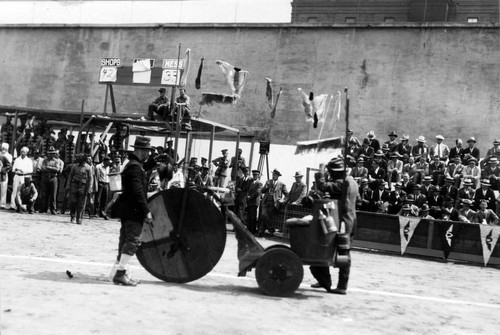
(121,278)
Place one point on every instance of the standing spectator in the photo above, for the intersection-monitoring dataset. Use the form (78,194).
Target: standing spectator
(471,150)
(222,164)
(253,201)
(273,192)
(439,149)
(26,196)
(103,187)
(6,159)
(133,207)
(466,192)
(458,150)
(236,163)
(242,186)
(22,167)
(297,192)
(50,170)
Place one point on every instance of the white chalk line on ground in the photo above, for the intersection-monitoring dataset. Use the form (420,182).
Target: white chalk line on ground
(222,275)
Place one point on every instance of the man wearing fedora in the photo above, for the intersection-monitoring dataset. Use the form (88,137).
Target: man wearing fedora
(159,106)
(345,189)
(394,169)
(421,149)
(134,211)
(297,192)
(273,192)
(440,149)
(484,193)
(374,143)
(491,171)
(392,144)
(466,214)
(471,149)
(51,168)
(404,148)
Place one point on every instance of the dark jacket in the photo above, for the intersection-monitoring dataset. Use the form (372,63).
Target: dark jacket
(133,200)
(254,193)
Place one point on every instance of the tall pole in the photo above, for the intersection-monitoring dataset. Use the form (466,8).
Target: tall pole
(177,79)
(346,144)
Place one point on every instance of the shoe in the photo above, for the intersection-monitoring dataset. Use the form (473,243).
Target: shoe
(338,291)
(53,212)
(3,207)
(30,212)
(18,210)
(13,209)
(317,285)
(121,278)
(105,217)
(72,219)
(78,222)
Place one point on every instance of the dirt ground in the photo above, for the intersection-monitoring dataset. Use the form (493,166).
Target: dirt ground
(388,294)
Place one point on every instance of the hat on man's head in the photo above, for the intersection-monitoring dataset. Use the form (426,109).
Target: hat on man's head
(170,141)
(398,184)
(485,182)
(472,159)
(106,158)
(361,160)
(421,139)
(379,153)
(417,187)
(244,169)
(161,90)
(371,134)
(366,141)
(364,181)
(27,178)
(395,155)
(405,138)
(255,172)
(468,182)
(276,172)
(142,142)
(435,188)
(496,141)
(336,164)
(204,159)
(425,208)
(449,178)
(223,150)
(493,160)
(439,137)
(298,174)
(427,178)
(349,131)
(467,202)
(471,139)
(393,133)
(406,207)
(385,146)
(52,150)
(483,200)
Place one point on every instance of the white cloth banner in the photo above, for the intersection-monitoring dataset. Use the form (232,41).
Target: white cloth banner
(489,238)
(141,70)
(407,226)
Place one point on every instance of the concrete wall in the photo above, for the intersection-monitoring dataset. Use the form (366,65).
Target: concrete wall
(418,80)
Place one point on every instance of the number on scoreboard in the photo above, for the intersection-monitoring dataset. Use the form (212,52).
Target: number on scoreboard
(107,74)
(170,77)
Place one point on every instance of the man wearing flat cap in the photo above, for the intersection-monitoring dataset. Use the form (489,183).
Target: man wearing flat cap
(272,199)
(159,106)
(345,189)
(133,208)
(297,192)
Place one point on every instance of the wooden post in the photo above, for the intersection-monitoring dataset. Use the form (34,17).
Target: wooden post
(172,95)
(106,100)
(211,148)
(112,95)
(14,135)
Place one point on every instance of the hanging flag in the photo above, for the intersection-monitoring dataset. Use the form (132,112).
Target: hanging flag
(407,226)
(273,111)
(197,81)
(186,68)
(269,93)
(489,238)
(306,104)
(448,233)
(331,145)
(235,77)
(318,104)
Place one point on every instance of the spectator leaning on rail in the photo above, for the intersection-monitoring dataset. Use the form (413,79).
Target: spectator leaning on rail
(347,210)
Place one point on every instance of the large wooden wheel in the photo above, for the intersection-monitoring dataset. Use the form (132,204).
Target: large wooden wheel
(279,272)
(180,253)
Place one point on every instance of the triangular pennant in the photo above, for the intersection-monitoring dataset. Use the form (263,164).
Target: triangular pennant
(273,111)
(489,238)
(449,234)
(407,226)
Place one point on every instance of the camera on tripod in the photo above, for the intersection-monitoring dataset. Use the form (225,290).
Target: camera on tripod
(264,148)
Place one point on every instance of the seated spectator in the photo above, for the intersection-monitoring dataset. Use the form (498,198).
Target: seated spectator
(419,198)
(376,176)
(359,171)
(406,184)
(485,215)
(394,169)
(365,202)
(466,192)
(409,168)
(435,202)
(449,212)
(410,201)
(484,193)
(367,152)
(380,159)
(404,148)
(26,196)
(449,189)
(421,149)
(427,186)
(472,172)
(391,145)
(381,197)
(466,214)
(436,170)
(421,169)
(491,171)
(406,211)
(374,143)
(424,213)
(397,199)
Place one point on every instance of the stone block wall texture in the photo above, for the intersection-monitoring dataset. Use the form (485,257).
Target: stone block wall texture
(416,80)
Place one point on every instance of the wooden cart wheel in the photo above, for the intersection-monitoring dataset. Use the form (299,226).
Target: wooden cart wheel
(279,272)
(274,246)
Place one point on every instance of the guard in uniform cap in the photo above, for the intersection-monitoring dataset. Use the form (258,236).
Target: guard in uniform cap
(222,164)
(78,186)
(253,201)
(347,211)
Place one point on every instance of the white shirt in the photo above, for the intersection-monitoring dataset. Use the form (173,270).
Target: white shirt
(24,164)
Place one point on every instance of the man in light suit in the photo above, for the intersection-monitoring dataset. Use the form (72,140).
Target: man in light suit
(485,215)
(465,214)
(273,192)
(439,149)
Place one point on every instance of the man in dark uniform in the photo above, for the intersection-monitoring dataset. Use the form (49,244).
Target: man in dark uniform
(254,193)
(51,168)
(345,189)
(241,191)
(159,106)
(133,208)
(78,186)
